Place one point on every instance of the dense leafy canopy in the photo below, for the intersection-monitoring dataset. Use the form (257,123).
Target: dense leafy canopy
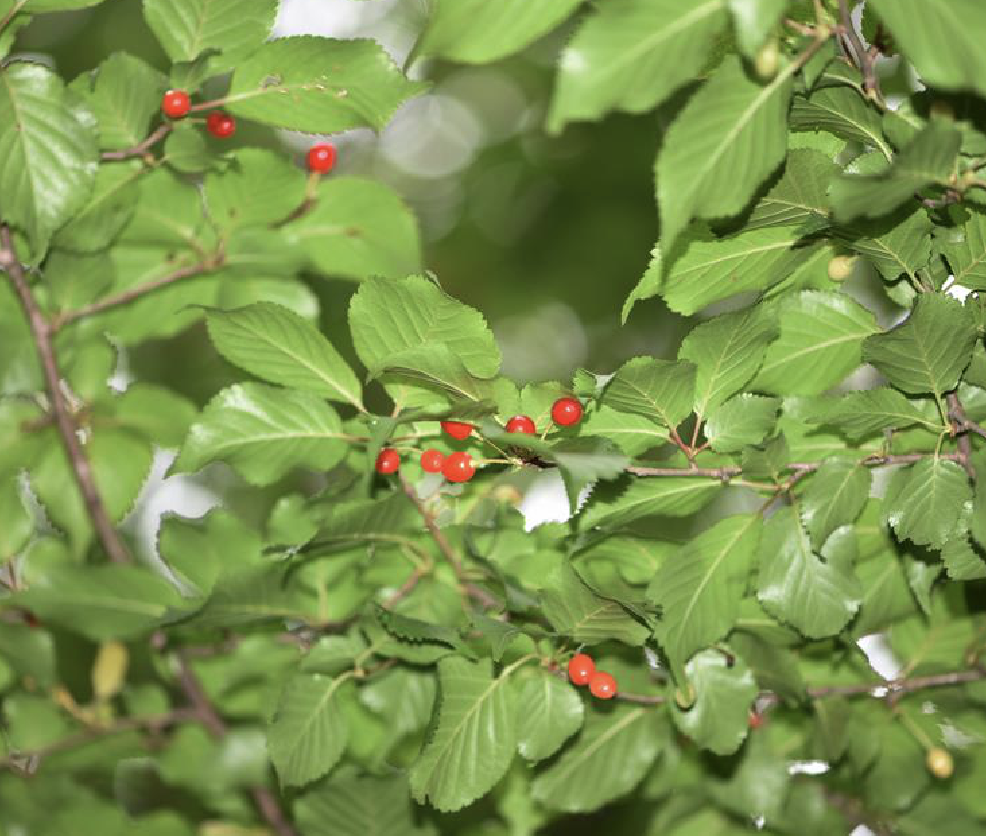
(338,651)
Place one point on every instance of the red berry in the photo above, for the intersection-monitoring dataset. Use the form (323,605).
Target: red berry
(566,411)
(388,461)
(602,686)
(432,461)
(175,103)
(321,158)
(580,669)
(521,424)
(220,125)
(458,467)
(756,720)
(457,429)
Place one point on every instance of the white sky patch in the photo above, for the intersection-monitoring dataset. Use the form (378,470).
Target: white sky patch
(807,768)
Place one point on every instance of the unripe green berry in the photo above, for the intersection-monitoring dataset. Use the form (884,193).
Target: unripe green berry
(841,267)
(767,60)
(939,763)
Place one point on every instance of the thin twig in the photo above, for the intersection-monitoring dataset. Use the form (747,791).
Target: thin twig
(960,423)
(265,800)
(11,12)
(130,295)
(899,686)
(140,148)
(725,474)
(883,689)
(155,722)
(41,333)
(405,589)
(973,427)
(445,547)
(870,81)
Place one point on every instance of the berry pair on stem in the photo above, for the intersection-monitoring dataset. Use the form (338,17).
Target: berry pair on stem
(582,671)
(176,104)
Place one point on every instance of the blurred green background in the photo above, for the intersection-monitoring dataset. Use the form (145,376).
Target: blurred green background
(546,235)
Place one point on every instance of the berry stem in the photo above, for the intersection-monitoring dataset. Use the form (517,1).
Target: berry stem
(481,596)
(126,296)
(142,147)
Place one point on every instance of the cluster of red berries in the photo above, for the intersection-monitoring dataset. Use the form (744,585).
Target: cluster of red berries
(176,104)
(582,671)
(459,467)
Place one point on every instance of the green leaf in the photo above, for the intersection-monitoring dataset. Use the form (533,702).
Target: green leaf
(357,229)
(940,37)
(887,598)
(859,414)
(699,587)
(963,560)
(250,596)
(843,112)
(368,519)
(187,28)
(124,94)
(187,151)
(416,630)
(41,6)
(753,21)
(257,187)
(899,244)
(474,738)
(159,414)
(278,345)
(924,501)
(358,806)
(820,343)
(816,597)
(609,759)
(724,694)
(412,323)
(308,734)
(966,251)
(928,352)
(660,390)
(727,352)
(631,55)
(319,85)
(120,462)
(726,141)
(800,198)
(18,522)
(928,160)
(100,602)
(582,461)
(631,433)
(741,421)
(263,433)
(774,668)
(834,496)
(477,32)
(110,207)
(549,711)
(646,497)
(576,611)
(48,151)
(403,697)
(712,269)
